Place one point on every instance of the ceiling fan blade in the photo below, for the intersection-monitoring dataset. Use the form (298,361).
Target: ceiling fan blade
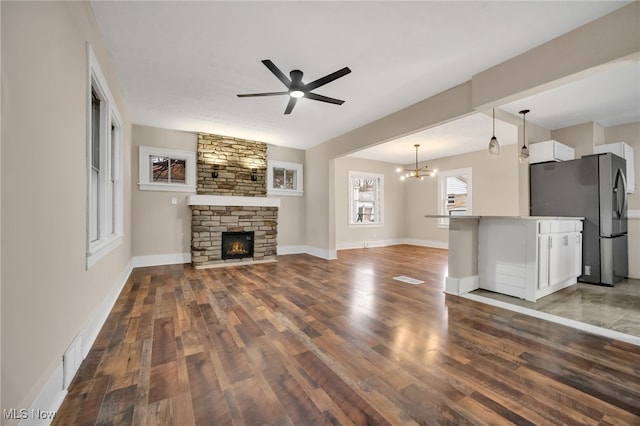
(246,95)
(276,71)
(317,97)
(328,78)
(290,105)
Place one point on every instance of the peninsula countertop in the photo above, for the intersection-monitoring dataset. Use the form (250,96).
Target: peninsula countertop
(441,216)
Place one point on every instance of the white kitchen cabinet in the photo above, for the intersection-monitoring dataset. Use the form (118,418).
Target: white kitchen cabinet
(625,151)
(529,257)
(541,152)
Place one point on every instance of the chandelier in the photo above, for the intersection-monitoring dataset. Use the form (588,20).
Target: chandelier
(418,172)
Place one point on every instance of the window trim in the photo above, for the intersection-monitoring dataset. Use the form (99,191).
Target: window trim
(442,175)
(380,199)
(144,175)
(271,164)
(110,202)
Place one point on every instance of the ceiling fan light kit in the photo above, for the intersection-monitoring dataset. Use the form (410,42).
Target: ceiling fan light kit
(494,146)
(297,89)
(417,172)
(523,156)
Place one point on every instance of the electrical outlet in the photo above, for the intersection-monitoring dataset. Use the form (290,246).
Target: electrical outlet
(587,270)
(174,200)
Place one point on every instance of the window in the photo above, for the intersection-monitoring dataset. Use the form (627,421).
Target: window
(365,198)
(104,165)
(284,178)
(454,194)
(163,169)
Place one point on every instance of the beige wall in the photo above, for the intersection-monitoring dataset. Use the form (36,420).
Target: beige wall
(581,137)
(319,163)
(393,228)
(494,192)
(291,214)
(158,227)
(47,295)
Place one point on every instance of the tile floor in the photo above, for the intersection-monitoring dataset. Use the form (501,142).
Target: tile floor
(615,308)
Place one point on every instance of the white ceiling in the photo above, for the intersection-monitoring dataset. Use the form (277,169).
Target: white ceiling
(180,65)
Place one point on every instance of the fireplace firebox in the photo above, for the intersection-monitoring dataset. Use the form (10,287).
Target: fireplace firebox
(237,245)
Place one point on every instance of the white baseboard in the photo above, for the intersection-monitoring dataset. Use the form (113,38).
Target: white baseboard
(90,331)
(52,394)
(391,242)
(321,253)
(369,244)
(460,286)
(284,250)
(46,403)
(427,243)
(161,259)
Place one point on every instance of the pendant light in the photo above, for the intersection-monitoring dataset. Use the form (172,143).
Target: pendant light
(524,151)
(494,146)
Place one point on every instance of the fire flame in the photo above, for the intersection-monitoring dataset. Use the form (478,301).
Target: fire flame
(237,248)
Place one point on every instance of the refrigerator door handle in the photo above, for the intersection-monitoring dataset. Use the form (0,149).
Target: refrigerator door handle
(620,179)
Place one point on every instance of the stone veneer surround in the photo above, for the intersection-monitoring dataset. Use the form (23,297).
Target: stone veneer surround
(235,159)
(231,202)
(213,215)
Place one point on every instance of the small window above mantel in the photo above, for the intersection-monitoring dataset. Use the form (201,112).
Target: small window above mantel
(163,169)
(284,178)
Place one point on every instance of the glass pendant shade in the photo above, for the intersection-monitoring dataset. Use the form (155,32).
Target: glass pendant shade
(524,154)
(523,157)
(494,146)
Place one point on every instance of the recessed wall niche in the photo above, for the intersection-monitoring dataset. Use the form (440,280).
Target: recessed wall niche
(240,165)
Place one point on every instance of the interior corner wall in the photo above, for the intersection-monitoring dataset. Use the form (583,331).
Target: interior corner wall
(291,214)
(48,296)
(581,137)
(160,228)
(318,204)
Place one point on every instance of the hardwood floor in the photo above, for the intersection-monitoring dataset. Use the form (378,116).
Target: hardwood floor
(306,341)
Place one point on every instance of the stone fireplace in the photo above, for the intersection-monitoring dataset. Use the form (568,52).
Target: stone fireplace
(231,199)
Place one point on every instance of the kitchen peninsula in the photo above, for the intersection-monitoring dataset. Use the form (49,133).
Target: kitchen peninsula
(522,256)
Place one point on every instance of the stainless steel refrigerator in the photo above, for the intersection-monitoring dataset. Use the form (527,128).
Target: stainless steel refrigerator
(593,187)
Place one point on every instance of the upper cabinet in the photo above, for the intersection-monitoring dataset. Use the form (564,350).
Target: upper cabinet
(625,151)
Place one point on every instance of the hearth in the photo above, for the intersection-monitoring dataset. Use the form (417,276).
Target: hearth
(237,245)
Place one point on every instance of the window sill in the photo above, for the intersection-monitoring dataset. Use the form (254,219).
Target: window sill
(366,225)
(166,187)
(285,192)
(102,248)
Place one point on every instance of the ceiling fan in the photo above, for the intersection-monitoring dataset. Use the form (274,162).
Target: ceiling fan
(297,89)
